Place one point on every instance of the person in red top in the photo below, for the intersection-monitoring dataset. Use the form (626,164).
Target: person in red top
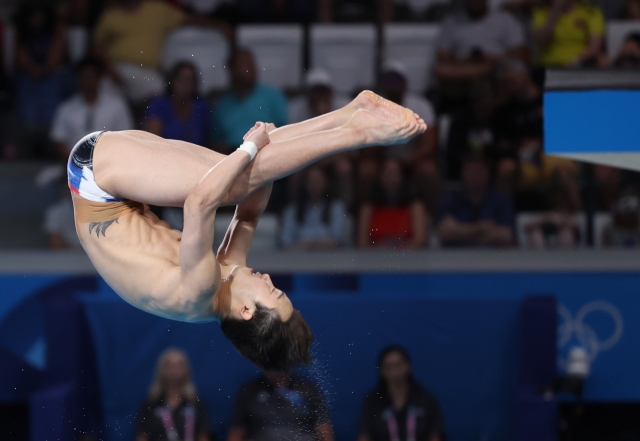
(392,218)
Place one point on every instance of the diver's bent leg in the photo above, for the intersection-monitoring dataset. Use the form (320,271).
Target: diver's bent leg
(366,100)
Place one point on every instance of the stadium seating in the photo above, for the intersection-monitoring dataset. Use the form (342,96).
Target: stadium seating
(347,52)
(415,46)
(207,49)
(617,32)
(277,51)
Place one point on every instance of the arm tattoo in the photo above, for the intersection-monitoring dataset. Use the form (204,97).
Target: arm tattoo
(101,227)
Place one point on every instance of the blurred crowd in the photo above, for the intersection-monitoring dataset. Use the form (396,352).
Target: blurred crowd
(278,406)
(477,177)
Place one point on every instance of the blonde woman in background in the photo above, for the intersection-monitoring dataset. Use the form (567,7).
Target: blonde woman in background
(172,411)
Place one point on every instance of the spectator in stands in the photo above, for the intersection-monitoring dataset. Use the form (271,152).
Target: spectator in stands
(280,406)
(519,111)
(472,129)
(624,232)
(419,155)
(399,408)
(247,102)
(222,9)
(472,41)
(172,410)
(254,11)
(90,110)
(478,215)
(518,116)
(41,51)
(9,125)
(569,33)
(180,114)
(392,218)
(59,224)
(629,55)
(355,10)
(320,98)
(557,227)
(539,174)
(603,189)
(631,10)
(420,10)
(128,40)
(85,12)
(315,221)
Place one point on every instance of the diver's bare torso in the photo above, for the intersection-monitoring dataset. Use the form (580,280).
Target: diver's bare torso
(138,256)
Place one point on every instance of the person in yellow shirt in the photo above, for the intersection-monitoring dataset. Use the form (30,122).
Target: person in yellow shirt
(568,33)
(128,39)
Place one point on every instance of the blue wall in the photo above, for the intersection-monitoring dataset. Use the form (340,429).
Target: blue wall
(591,121)
(460,328)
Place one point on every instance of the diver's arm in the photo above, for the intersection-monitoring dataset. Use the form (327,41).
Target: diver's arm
(237,241)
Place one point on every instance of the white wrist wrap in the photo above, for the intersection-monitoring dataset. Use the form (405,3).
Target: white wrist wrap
(249,147)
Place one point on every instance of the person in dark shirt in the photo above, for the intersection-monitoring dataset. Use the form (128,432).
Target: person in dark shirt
(40,55)
(280,407)
(520,114)
(172,411)
(399,408)
(478,215)
(180,114)
(517,121)
(472,129)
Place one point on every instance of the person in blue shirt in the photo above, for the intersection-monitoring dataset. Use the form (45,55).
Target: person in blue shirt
(247,102)
(478,215)
(180,114)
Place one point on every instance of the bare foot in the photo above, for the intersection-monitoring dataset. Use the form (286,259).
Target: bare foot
(383,131)
(386,109)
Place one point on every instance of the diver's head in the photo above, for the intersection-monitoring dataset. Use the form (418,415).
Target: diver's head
(260,321)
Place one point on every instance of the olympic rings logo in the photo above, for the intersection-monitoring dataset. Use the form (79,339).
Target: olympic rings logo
(578,327)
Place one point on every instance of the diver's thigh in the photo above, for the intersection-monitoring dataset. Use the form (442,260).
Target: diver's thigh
(146,168)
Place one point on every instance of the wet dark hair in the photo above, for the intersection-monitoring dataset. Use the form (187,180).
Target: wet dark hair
(269,342)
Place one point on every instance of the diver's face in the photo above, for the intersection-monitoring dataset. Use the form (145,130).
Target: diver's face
(249,288)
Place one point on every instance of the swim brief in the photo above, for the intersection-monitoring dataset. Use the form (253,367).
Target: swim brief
(80,171)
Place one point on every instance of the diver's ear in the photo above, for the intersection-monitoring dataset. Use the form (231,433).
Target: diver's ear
(246,312)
